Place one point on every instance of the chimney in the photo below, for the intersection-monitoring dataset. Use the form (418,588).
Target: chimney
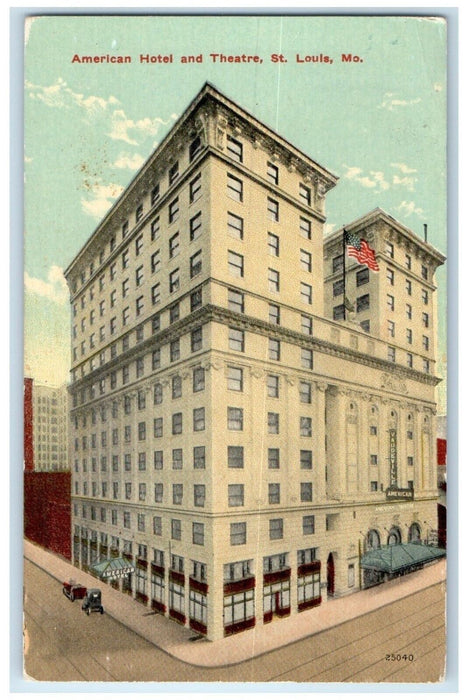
(425,233)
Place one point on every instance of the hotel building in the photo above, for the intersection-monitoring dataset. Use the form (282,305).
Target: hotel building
(46,427)
(228,434)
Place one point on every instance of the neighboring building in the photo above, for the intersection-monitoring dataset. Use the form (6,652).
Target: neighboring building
(242,449)
(442,486)
(46,412)
(47,511)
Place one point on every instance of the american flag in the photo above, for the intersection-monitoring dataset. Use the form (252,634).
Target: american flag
(359,249)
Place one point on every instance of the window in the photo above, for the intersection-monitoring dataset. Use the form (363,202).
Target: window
(142,492)
(174,210)
(199,457)
(198,533)
(390,302)
(305,423)
(374,460)
(174,313)
(156,261)
(177,494)
(158,493)
(236,340)
(235,418)
(425,320)
(158,427)
(235,264)
(155,194)
(176,387)
(173,172)
(125,259)
(177,459)
(305,392)
(409,335)
(198,379)
(235,379)
(272,173)
(305,194)
(273,386)
(195,264)
(157,525)
(125,315)
(274,349)
(234,148)
(155,228)
(128,491)
(306,260)
(305,228)
(274,314)
(409,360)
(389,250)
(426,367)
(273,245)
(195,188)
(235,457)
(273,494)
(276,529)
(139,306)
(391,329)
(362,303)
(235,301)
(196,300)
(425,296)
(158,459)
(235,495)
(306,325)
(339,312)
(198,419)
(142,430)
(176,529)
(177,423)
(425,341)
(408,261)
(362,277)
(306,293)
(238,533)
(273,458)
(273,423)
(195,226)
(306,491)
(235,188)
(307,359)
(139,244)
(273,209)
(308,524)
(306,459)
(156,358)
(196,339)
(125,288)
(174,245)
(195,148)
(391,354)
(156,294)
(174,281)
(408,287)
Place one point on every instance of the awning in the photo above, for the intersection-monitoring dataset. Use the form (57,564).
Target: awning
(113,568)
(398,557)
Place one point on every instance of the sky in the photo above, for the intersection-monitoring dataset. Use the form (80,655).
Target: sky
(378,123)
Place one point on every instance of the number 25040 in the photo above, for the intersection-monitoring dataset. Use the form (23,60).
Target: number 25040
(399,657)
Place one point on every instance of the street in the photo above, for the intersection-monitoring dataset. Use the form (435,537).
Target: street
(401,642)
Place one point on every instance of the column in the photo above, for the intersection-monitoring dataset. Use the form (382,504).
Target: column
(319,455)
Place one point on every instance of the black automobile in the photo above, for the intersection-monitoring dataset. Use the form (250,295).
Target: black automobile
(92,601)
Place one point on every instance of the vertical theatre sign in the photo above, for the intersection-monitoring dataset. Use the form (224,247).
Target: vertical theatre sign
(393,492)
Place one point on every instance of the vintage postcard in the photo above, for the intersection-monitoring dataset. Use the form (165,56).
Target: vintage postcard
(235,349)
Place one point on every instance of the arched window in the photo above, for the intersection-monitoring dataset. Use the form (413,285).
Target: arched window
(394,536)
(414,533)
(372,540)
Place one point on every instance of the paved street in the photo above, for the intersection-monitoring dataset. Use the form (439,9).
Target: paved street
(64,644)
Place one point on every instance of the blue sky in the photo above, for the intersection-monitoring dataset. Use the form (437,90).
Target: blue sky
(378,124)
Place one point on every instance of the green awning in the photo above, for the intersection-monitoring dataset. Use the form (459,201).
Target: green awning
(113,568)
(398,557)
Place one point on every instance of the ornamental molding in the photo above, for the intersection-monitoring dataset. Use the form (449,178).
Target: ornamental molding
(393,382)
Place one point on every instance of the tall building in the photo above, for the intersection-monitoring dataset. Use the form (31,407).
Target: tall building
(243,449)
(46,414)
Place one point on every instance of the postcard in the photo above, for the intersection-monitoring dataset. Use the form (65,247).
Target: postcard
(235,349)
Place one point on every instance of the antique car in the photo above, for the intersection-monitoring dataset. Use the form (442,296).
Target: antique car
(74,590)
(92,601)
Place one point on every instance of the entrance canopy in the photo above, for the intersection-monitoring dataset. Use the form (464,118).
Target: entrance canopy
(113,568)
(397,558)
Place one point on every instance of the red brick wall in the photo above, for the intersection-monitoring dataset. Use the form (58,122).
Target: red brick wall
(47,510)
(28,426)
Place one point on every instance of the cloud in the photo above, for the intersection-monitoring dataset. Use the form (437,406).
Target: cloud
(59,95)
(55,289)
(374,179)
(121,125)
(391,102)
(130,162)
(410,208)
(328,228)
(403,168)
(101,199)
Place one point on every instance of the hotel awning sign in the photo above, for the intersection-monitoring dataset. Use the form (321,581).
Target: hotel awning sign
(393,493)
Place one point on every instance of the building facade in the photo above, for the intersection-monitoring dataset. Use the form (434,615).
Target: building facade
(46,415)
(227,436)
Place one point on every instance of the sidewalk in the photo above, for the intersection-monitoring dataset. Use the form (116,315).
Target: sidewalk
(175,639)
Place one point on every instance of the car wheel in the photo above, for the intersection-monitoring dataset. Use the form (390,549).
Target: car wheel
(87,611)
(72,597)
(102,611)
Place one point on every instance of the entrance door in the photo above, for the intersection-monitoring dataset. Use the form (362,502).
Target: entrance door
(330,575)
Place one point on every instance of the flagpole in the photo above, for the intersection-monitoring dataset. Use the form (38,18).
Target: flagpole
(344,274)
